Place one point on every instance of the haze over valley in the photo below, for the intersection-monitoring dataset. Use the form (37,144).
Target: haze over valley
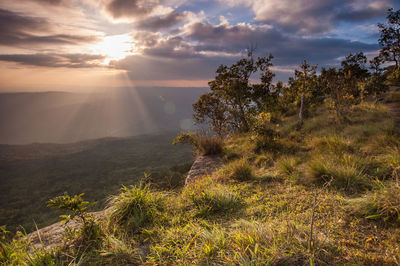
(62,117)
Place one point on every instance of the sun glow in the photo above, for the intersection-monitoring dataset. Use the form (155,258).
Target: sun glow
(115,47)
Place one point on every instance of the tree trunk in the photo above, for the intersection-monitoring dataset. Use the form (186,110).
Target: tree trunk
(301,108)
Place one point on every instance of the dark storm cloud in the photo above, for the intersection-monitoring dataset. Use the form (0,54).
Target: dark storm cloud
(233,37)
(19,30)
(130,8)
(54,60)
(157,23)
(287,49)
(361,15)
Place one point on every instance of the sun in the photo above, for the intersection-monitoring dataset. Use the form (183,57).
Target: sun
(115,47)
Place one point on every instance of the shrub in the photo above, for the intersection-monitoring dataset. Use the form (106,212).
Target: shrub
(210,198)
(239,169)
(203,144)
(135,207)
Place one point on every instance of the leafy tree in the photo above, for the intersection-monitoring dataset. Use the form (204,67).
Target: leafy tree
(390,38)
(355,73)
(334,82)
(376,83)
(305,82)
(233,100)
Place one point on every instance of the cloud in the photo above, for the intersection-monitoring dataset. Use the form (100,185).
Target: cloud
(50,2)
(19,30)
(145,67)
(156,23)
(362,13)
(197,51)
(312,16)
(130,8)
(54,60)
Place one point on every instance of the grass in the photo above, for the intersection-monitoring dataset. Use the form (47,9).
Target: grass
(210,198)
(210,145)
(382,204)
(248,214)
(346,175)
(288,166)
(239,170)
(135,207)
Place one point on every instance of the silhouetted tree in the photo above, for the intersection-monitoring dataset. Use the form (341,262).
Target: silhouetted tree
(390,38)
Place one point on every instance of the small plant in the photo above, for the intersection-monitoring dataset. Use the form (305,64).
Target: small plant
(74,204)
(203,144)
(88,235)
(239,170)
(135,207)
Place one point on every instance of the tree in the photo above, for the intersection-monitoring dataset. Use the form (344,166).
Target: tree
(376,83)
(355,73)
(390,38)
(304,82)
(233,100)
(334,82)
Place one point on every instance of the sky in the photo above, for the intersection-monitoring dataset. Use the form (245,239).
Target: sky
(77,44)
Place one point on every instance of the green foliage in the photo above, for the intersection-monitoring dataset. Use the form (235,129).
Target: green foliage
(305,88)
(233,101)
(87,235)
(135,207)
(390,38)
(74,204)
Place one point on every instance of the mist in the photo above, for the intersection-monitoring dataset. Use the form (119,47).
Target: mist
(63,117)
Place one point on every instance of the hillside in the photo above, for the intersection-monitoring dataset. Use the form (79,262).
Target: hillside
(322,194)
(32,174)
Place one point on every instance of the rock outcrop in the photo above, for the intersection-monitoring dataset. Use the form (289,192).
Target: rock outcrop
(203,165)
(52,236)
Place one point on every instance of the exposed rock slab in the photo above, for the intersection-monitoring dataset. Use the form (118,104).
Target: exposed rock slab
(52,236)
(202,166)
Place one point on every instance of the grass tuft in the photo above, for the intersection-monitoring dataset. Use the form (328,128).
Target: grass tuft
(135,207)
(239,170)
(210,198)
(346,174)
